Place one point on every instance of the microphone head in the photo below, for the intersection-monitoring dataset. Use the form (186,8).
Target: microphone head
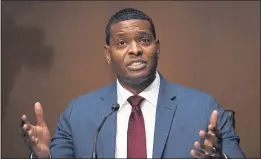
(115,107)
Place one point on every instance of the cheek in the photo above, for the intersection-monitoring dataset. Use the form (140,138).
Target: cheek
(117,61)
(150,50)
(151,54)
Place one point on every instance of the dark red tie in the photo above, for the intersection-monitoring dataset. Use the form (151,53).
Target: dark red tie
(136,130)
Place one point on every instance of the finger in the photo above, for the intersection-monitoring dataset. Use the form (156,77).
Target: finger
(26,127)
(211,132)
(214,130)
(214,118)
(207,149)
(210,136)
(212,140)
(23,120)
(202,150)
(197,154)
(30,133)
(36,141)
(203,138)
(198,147)
(33,138)
(23,131)
(39,114)
(197,144)
(202,133)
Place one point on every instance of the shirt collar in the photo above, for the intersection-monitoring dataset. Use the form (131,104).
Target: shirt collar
(150,93)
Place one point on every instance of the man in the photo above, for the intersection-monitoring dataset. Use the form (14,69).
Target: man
(156,119)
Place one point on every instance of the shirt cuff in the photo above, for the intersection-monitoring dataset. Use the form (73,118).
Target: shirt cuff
(225,156)
(32,156)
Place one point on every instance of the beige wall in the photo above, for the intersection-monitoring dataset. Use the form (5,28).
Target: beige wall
(53,52)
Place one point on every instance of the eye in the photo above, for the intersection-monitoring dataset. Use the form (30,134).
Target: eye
(145,40)
(121,42)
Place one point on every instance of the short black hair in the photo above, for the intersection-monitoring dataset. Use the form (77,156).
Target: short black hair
(127,14)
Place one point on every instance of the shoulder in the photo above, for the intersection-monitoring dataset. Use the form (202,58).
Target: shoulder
(189,98)
(186,92)
(182,92)
(95,94)
(195,100)
(90,99)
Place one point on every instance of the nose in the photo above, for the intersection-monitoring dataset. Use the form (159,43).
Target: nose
(134,49)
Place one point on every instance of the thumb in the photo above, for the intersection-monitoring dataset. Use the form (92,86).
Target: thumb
(39,114)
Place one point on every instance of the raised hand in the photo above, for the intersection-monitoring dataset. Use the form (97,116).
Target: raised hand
(36,137)
(211,147)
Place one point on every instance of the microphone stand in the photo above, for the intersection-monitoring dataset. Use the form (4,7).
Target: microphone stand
(115,108)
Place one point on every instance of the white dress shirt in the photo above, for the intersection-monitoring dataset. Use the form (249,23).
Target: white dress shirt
(148,108)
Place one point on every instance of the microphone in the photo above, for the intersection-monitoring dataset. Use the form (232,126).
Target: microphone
(115,107)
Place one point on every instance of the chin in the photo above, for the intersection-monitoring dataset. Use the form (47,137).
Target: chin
(136,78)
(140,74)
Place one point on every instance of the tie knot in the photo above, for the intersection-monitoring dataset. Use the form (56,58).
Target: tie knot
(135,100)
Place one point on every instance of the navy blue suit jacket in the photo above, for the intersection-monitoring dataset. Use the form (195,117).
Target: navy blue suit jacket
(181,113)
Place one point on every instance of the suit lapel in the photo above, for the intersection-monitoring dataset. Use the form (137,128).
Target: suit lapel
(108,131)
(166,108)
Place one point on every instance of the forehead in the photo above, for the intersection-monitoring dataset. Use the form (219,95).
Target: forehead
(130,25)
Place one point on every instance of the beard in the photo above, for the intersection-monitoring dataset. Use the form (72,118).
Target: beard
(141,81)
(137,83)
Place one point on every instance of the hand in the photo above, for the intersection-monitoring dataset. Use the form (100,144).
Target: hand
(211,147)
(37,138)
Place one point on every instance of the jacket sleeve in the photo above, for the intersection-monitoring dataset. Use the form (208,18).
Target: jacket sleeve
(62,142)
(230,140)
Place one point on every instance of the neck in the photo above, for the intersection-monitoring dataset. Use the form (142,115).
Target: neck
(136,87)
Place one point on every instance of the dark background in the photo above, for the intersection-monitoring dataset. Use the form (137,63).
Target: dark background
(53,52)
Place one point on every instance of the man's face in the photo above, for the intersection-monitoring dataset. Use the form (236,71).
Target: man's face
(133,51)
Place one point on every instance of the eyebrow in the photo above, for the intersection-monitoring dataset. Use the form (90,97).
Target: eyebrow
(121,33)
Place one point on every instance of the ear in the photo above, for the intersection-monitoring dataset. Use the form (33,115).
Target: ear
(158,47)
(107,54)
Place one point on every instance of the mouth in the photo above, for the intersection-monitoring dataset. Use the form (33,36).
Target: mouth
(136,65)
